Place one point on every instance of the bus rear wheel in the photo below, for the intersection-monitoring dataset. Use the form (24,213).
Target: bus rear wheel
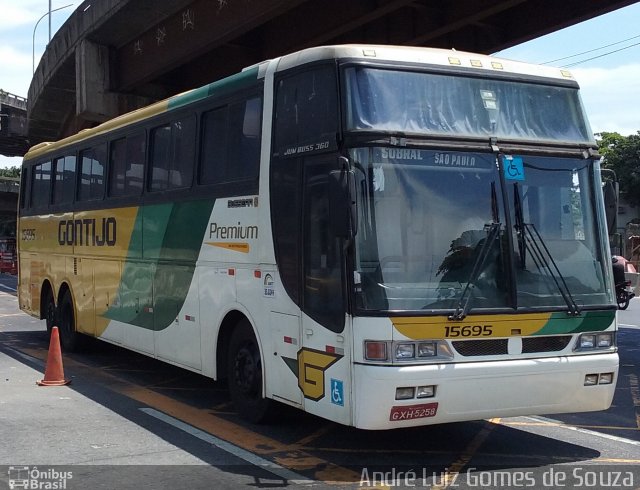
(69,338)
(245,374)
(50,311)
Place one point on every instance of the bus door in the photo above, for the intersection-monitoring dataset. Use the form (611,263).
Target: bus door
(324,359)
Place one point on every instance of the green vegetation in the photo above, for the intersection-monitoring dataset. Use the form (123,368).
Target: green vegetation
(10,172)
(622,155)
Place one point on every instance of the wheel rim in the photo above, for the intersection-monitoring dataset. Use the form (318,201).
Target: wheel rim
(247,370)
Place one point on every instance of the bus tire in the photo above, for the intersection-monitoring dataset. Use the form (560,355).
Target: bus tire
(245,373)
(50,313)
(69,338)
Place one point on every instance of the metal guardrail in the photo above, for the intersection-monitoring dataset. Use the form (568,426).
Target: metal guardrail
(13,100)
(8,184)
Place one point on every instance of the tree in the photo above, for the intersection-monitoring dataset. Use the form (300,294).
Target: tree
(622,155)
(10,172)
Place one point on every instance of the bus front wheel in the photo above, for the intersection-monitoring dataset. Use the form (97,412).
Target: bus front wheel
(69,338)
(245,373)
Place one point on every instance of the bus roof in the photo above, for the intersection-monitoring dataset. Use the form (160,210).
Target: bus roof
(248,76)
(428,56)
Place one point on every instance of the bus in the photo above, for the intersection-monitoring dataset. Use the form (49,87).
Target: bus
(381,236)
(8,255)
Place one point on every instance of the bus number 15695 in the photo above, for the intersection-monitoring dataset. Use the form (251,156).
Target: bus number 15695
(468,331)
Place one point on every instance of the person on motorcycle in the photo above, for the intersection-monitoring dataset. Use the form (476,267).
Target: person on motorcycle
(618,271)
(624,294)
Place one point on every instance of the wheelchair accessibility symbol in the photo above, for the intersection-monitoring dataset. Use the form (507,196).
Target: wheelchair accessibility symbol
(513,167)
(337,392)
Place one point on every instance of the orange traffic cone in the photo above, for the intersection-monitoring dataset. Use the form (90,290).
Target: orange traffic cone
(54,372)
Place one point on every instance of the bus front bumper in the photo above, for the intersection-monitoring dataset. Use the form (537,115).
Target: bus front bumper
(480,390)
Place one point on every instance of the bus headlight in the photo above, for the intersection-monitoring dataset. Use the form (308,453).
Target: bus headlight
(604,340)
(598,379)
(426,391)
(591,380)
(405,351)
(605,379)
(427,349)
(596,341)
(587,341)
(405,393)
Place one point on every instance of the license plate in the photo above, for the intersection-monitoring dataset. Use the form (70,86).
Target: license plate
(410,412)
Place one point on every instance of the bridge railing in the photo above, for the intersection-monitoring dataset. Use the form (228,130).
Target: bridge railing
(13,100)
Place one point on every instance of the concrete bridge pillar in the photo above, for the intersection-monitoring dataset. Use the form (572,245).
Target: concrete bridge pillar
(95,101)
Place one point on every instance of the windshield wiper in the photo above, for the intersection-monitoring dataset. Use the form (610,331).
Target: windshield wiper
(530,239)
(464,304)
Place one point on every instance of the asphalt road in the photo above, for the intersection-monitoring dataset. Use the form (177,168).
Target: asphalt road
(127,421)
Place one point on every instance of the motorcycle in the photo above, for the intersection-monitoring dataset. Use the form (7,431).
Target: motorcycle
(624,291)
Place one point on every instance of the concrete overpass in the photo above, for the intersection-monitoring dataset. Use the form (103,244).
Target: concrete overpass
(13,125)
(113,56)
(9,188)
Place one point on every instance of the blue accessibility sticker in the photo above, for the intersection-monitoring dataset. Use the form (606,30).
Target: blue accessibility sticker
(513,167)
(337,392)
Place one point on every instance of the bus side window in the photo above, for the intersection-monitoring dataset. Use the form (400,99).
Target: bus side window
(214,146)
(245,120)
(172,155)
(324,294)
(41,185)
(134,170)
(64,181)
(117,162)
(91,185)
(231,142)
(306,109)
(127,156)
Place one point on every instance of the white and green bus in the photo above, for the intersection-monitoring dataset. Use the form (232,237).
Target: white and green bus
(381,236)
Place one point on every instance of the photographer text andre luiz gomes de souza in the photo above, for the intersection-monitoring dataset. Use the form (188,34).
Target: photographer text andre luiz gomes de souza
(578,477)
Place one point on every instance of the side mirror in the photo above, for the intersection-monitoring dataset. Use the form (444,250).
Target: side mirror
(610,193)
(342,201)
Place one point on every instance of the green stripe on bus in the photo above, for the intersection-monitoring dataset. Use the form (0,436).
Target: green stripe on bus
(234,82)
(588,321)
(153,290)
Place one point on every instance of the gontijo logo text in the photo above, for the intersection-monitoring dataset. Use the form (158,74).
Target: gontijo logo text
(89,232)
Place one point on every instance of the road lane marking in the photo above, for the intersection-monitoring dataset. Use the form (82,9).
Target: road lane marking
(582,426)
(452,472)
(305,441)
(583,431)
(251,458)
(287,455)
(617,461)
(9,288)
(635,395)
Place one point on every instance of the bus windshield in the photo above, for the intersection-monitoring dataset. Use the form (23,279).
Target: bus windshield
(438,104)
(433,224)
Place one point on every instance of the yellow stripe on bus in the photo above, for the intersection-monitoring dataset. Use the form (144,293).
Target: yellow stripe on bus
(118,122)
(475,326)
(235,246)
